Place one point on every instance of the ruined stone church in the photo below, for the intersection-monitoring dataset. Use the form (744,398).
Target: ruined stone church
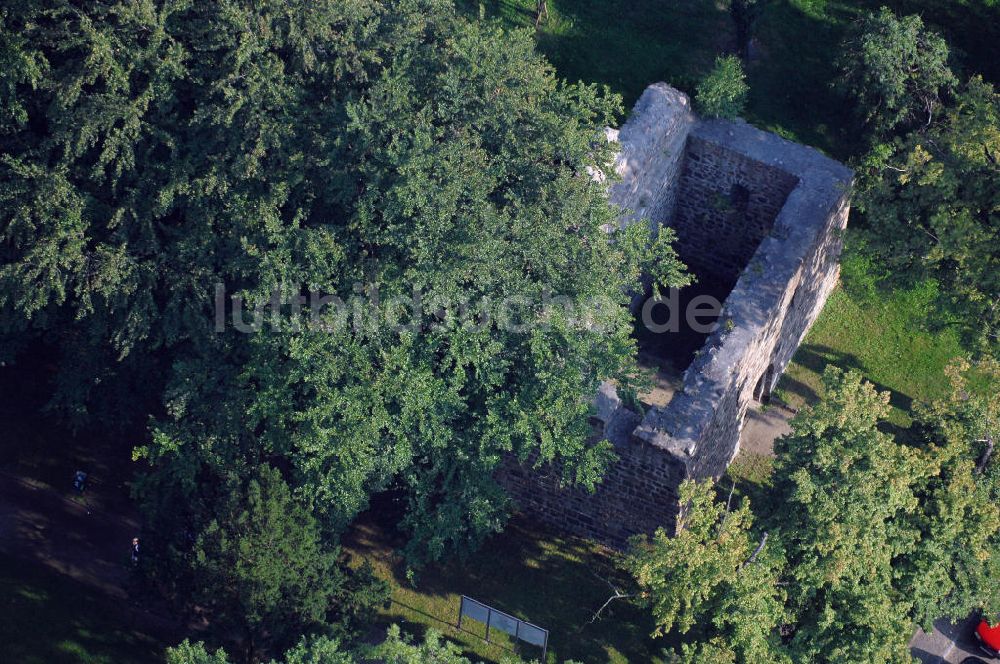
(759,221)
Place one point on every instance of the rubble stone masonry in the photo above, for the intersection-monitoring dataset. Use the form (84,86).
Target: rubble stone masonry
(749,207)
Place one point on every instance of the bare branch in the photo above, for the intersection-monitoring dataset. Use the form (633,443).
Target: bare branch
(617,594)
(729,502)
(760,547)
(597,614)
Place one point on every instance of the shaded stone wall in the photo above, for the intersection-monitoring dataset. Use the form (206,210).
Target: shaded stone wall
(638,495)
(786,260)
(775,301)
(726,205)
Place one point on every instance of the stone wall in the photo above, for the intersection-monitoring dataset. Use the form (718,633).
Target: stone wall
(787,263)
(725,206)
(651,154)
(775,301)
(638,494)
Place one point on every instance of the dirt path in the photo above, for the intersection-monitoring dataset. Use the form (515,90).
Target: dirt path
(70,534)
(76,536)
(763,427)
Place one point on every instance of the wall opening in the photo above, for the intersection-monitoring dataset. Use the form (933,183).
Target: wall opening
(739,200)
(762,392)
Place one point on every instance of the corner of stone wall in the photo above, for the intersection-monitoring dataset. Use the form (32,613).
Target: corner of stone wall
(652,150)
(767,313)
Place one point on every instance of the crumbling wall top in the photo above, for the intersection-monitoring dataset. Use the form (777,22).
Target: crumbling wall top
(822,189)
(652,150)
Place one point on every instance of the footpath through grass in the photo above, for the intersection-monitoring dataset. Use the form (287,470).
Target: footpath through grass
(48,618)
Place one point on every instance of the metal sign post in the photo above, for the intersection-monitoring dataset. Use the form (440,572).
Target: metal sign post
(521,630)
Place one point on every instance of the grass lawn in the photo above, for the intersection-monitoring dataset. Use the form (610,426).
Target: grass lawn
(47,618)
(884,339)
(624,44)
(628,44)
(550,581)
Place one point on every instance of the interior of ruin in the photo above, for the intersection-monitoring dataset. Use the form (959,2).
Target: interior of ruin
(725,206)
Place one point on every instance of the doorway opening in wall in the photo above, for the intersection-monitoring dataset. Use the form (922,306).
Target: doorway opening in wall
(762,392)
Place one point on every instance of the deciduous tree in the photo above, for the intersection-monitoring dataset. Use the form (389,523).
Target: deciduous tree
(868,537)
(712,578)
(259,568)
(896,71)
(847,496)
(957,563)
(723,93)
(930,201)
(153,155)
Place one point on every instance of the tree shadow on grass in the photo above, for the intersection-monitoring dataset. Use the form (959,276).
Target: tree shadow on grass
(791,80)
(624,44)
(47,618)
(816,358)
(629,44)
(39,444)
(552,581)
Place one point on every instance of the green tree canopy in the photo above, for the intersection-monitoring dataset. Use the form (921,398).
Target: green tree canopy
(195,653)
(847,498)
(167,166)
(896,70)
(723,92)
(868,536)
(395,649)
(957,564)
(315,650)
(711,578)
(259,568)
(154,154)
(931,209)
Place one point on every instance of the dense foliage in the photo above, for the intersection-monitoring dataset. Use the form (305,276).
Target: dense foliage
(931,201)
(259,569)
(896,70)
(395,649)
(723,92)
(711,577)
(928,187)
(868,537)
(410,196)
(169,170)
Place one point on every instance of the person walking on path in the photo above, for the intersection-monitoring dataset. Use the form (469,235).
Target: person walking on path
(80,481)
